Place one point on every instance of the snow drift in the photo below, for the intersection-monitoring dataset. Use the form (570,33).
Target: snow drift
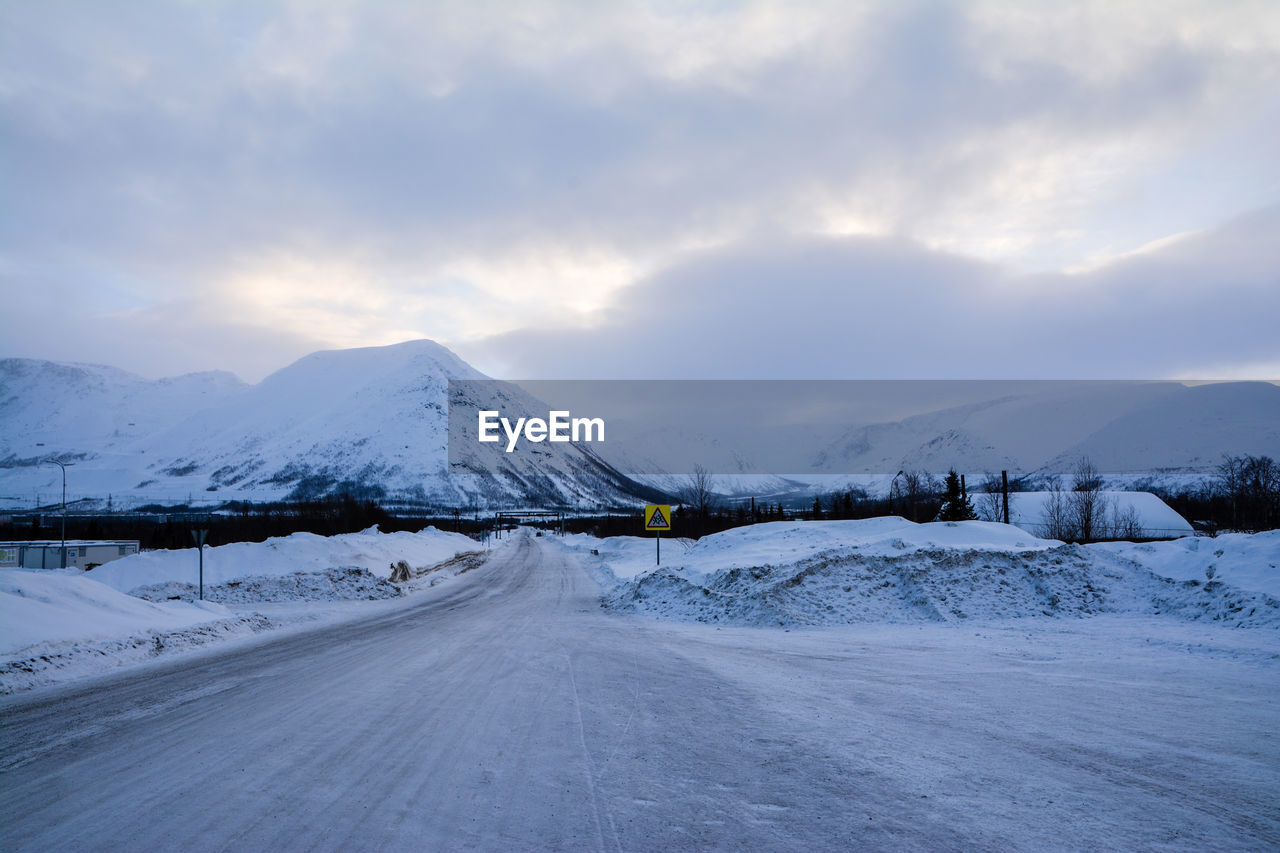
(56,625)
(892,570)
(1247,561)
(38,605)
(273,566)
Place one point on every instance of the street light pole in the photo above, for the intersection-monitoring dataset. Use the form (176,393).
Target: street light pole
(63,466)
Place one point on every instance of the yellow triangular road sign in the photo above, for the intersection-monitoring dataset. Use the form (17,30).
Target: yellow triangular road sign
(657,517)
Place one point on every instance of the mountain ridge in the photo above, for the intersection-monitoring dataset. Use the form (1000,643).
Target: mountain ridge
(374,422)
(370,422)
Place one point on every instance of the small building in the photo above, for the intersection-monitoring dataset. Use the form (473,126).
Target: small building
(81,553)
(1121,515)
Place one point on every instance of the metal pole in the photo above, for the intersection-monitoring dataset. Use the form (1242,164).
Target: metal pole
(64,514)
(1004,493)
(63,466)
(199,535)
(658,538)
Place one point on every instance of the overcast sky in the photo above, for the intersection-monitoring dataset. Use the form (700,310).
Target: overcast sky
(597,190)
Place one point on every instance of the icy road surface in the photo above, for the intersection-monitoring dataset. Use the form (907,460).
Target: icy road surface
(508,711)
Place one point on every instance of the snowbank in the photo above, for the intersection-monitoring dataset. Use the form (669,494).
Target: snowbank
(36,606)
(57,625)
(891,570)
(793,541)
(624,557)
(1247,561)
(283,556)
(777,542)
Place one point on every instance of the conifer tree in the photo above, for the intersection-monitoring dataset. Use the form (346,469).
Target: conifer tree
(955,503)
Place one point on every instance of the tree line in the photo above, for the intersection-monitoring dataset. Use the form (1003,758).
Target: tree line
(170,527)
(1243,495)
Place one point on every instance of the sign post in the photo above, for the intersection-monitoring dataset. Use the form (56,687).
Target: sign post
(657,517)
(199,537)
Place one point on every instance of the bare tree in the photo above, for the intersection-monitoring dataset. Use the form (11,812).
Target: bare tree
(1086,504)
(700,492)
(918,489)
(1252,485)
(1058,517)
(1125,524)
(989,506)
(989,503)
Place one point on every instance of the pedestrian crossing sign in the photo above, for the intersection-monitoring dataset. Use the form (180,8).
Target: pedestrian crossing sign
(657,517)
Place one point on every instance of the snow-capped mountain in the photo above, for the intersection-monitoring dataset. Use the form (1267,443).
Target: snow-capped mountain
(1124,428)
(102,420)
(375,422)
(370,422)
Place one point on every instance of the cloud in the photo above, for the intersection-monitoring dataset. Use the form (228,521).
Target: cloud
(347,172)
(1202,306)
(185,334)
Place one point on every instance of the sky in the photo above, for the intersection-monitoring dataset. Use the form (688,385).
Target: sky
(646,190)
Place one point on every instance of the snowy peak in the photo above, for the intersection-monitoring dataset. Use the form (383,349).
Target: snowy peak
(363,366)
(370,422)
(50,408)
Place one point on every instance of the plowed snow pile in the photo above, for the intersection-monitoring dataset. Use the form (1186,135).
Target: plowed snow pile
(344,583)
(57,625)
(891,570)
(38,605)
(233,573)
(1249,561)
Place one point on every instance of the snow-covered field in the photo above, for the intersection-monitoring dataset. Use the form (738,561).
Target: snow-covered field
(892,570)
(56,626)
(506,710)
(60,625)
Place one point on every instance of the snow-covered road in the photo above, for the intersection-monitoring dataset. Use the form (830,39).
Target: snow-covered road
(506,710)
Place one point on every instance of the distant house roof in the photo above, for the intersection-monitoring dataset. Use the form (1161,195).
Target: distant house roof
(1155,518)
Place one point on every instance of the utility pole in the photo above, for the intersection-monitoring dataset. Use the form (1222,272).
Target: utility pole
(63,466)
(1004,493)
(199,536)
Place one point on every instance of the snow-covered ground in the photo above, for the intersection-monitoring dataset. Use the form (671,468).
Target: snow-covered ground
(1247,561)
(506,710)
(892,570)
(60,625)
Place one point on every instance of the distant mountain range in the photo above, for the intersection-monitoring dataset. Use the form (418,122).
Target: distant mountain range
(369,422)
(374,422)
(1127,429)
